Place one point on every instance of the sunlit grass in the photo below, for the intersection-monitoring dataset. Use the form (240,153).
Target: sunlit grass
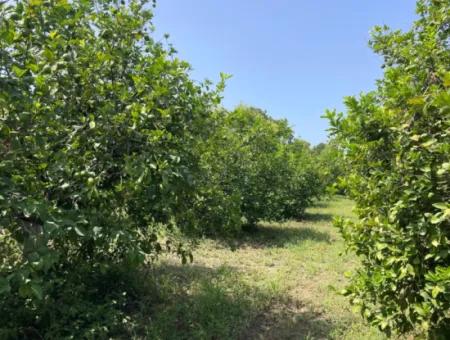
(280,282)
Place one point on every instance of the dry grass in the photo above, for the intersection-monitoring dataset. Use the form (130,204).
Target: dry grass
(279,282)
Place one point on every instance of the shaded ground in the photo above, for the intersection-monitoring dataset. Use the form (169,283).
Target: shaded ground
(279,283)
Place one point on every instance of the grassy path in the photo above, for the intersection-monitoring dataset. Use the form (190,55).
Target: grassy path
(279,283)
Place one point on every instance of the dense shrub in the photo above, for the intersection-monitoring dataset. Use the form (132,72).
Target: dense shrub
(98,124)
(396,143)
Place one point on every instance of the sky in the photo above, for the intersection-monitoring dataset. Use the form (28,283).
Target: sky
(292,58)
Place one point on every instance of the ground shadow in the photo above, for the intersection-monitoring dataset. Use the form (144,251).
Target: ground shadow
(321,204)
(317,217)
(266,235)
(280,236)
(277,235)
(218,303)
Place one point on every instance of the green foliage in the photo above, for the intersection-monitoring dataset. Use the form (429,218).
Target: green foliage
(86,304)
(254,169)
(110,152)
(396,143)
(331,166)
(304,184)
(98,124)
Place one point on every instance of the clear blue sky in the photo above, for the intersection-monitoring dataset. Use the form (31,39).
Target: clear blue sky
(293,58)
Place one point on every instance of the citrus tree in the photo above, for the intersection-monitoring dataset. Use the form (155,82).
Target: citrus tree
(396,143)
(97,153)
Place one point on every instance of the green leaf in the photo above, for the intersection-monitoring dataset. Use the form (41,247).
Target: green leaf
(416,101)
(447,79)
(436,219)
(20,72)
(97,230)
(37,290)
(65,185)
(79,231)
(33,67)
(441,205)
(435,291)
(53,34)
(429,143)
(50,226)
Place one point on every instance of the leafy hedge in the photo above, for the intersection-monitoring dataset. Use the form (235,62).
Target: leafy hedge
(396,143)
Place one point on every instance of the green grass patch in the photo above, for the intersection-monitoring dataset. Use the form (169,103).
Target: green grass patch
(279,281)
